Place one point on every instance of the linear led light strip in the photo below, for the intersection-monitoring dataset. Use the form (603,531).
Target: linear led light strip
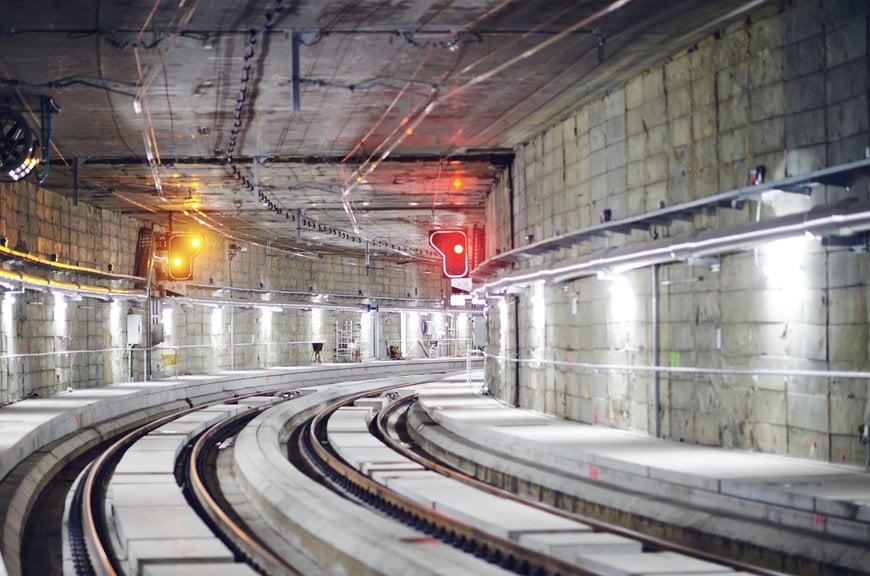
(819,222)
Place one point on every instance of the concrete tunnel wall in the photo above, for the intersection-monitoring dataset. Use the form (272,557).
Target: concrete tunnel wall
(50,342)
(786,88)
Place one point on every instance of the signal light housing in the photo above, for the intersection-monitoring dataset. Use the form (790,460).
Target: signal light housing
(181,250)
(453,247)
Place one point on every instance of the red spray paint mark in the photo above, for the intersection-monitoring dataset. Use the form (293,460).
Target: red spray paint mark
(594,472)
(819,520)
(595,416)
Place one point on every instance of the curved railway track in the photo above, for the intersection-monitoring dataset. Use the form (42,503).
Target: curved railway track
(468,537)
(91,545)
(503,548)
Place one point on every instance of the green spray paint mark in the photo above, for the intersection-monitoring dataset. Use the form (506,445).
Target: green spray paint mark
(675,358)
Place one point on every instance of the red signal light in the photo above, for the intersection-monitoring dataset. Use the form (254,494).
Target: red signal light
(181,250)
(452,245)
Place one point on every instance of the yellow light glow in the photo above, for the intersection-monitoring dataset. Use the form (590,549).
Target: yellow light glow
(459,248)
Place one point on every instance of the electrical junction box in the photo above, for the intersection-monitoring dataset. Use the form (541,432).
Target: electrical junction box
(134,329)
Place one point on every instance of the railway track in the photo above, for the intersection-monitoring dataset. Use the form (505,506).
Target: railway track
(354,445)
(505,530)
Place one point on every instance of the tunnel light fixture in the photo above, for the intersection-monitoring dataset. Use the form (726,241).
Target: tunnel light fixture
(19,146)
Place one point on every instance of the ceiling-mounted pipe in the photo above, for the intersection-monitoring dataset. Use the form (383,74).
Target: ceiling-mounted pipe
(41,284)
(847,218)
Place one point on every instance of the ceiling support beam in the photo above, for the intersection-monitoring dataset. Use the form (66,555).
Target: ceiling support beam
(296,82)
(256,177)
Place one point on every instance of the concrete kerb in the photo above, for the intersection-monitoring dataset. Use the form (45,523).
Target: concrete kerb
(538,476)
(342,537)
(111,408)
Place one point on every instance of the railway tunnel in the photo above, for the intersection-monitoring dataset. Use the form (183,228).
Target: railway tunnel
(648,220)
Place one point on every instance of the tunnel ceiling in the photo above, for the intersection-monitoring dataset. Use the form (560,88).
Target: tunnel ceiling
(359,120)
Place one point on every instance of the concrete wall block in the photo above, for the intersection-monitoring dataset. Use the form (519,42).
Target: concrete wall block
(804,57)
(635,175)
(846,449)
(682,393)
(769,438)
(656,168)
(682,425)
(653,84)
(597,163)
(732,82)
(847,42)
(804,93)
(597,138)
(678,73)
(848,118)
(679,102)
(766,68)
(615,104)
(654,112)
(615,129)
(634,124)
(733,47)
(849,345)
(766,102)
(842,13)
(847,268)
(807,341)
(616,155)
(768,406)
(848,305)
(616,183)
(802,21)
(706,431)
(734,113)
(804,129)
(657,140)
(681,131)
(634,95)
(597,113)
(733,147)
(768,137)
(847,81)
(808,444)
(807,411)
(569,136)
(704,123)
(844,151)
(598,187)
(846,414)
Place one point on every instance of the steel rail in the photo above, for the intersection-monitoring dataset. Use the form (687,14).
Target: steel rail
(102,558)
(468,538)
(238,537)
(381,427)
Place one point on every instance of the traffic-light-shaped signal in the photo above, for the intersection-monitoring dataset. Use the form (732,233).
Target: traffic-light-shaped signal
(453,247)
(181,250)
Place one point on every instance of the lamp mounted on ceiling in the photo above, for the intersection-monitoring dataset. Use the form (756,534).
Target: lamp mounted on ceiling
(19,146)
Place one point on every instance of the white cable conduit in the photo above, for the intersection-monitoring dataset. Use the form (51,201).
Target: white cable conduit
(847,218)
